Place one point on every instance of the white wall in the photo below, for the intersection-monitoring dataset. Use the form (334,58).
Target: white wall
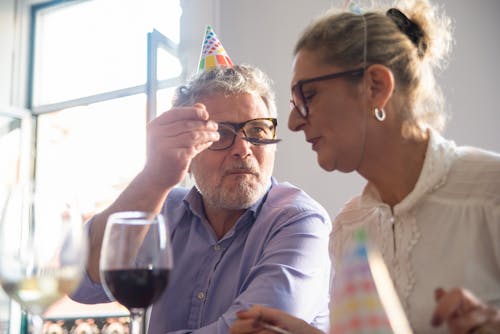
(472,81)
(263,32)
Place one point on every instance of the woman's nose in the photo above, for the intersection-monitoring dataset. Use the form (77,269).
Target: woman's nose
(295,121)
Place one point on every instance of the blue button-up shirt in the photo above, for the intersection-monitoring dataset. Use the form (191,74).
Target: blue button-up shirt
(276,255)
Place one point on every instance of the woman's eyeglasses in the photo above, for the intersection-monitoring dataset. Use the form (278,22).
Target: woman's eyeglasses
(298,101)
(258,131)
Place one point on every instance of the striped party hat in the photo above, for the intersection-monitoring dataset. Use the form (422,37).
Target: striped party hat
(213,53)
(364,298)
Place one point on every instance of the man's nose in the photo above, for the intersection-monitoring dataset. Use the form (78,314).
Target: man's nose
(241,147)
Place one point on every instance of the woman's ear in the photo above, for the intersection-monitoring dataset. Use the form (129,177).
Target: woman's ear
(380,83)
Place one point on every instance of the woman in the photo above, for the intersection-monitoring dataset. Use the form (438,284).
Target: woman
(364,94)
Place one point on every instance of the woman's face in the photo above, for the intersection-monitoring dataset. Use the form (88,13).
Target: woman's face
(336,123)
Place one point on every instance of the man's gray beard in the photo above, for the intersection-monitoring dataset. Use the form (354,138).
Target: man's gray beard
(243,196)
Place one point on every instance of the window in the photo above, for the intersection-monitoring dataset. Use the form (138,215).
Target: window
(92,79)
(84,48)
(99,70)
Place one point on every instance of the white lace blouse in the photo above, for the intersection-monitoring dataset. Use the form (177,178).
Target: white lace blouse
(445,233)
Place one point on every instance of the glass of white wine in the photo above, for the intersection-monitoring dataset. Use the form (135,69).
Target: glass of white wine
(43,249)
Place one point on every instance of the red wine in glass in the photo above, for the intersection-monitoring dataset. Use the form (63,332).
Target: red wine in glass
(135,263)
(136,288)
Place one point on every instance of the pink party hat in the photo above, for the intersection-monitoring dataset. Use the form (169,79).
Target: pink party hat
(213,53)
(364,297)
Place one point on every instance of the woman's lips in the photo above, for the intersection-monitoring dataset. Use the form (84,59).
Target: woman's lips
(314,142)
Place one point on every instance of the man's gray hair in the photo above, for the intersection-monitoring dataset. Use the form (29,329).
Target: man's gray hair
(228,80)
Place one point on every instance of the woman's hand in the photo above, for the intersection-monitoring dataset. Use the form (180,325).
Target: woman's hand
(252,320)
(464,313)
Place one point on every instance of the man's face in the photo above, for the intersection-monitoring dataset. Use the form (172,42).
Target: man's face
(234,178)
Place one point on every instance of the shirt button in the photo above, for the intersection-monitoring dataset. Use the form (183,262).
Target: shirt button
(217,247)
(201,295)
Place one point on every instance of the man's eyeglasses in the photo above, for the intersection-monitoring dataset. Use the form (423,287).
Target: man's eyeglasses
(258,131)
(299,100)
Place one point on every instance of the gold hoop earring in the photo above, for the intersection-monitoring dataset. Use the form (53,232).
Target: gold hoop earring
(379,114)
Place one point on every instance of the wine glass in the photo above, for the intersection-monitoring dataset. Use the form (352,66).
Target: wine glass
(43,249)
(136,259)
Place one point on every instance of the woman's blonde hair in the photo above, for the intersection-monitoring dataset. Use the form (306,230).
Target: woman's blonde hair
(412,49)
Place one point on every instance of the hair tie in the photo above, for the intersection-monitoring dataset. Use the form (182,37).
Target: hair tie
(353,7)
(408,27)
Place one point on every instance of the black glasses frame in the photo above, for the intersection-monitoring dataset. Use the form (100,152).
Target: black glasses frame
(237,127)
(303,108)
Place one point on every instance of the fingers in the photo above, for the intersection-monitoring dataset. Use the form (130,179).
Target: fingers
(460,310)
(273,316)
(247,322)
(262,313)
(185,126)
(250,320)
(182,127)
(438,293)
(469,321)
(253,312)
(245,326)
(451,304)
(196,111)
(174,138)
(183,134)
(266,320)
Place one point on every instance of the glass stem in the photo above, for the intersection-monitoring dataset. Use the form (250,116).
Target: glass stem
(137,321)
(35,324)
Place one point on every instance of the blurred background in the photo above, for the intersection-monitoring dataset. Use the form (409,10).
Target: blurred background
(80,78)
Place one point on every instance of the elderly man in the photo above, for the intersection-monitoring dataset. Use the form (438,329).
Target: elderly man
(239,237)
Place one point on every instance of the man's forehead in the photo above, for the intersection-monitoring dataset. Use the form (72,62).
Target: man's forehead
(237,107)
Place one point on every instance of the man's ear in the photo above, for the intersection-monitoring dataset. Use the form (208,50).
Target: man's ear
(379,81)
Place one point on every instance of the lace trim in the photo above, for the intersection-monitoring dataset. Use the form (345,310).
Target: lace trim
(404,275)
(398,258)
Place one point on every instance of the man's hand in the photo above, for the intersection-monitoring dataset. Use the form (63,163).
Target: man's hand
(173,139)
